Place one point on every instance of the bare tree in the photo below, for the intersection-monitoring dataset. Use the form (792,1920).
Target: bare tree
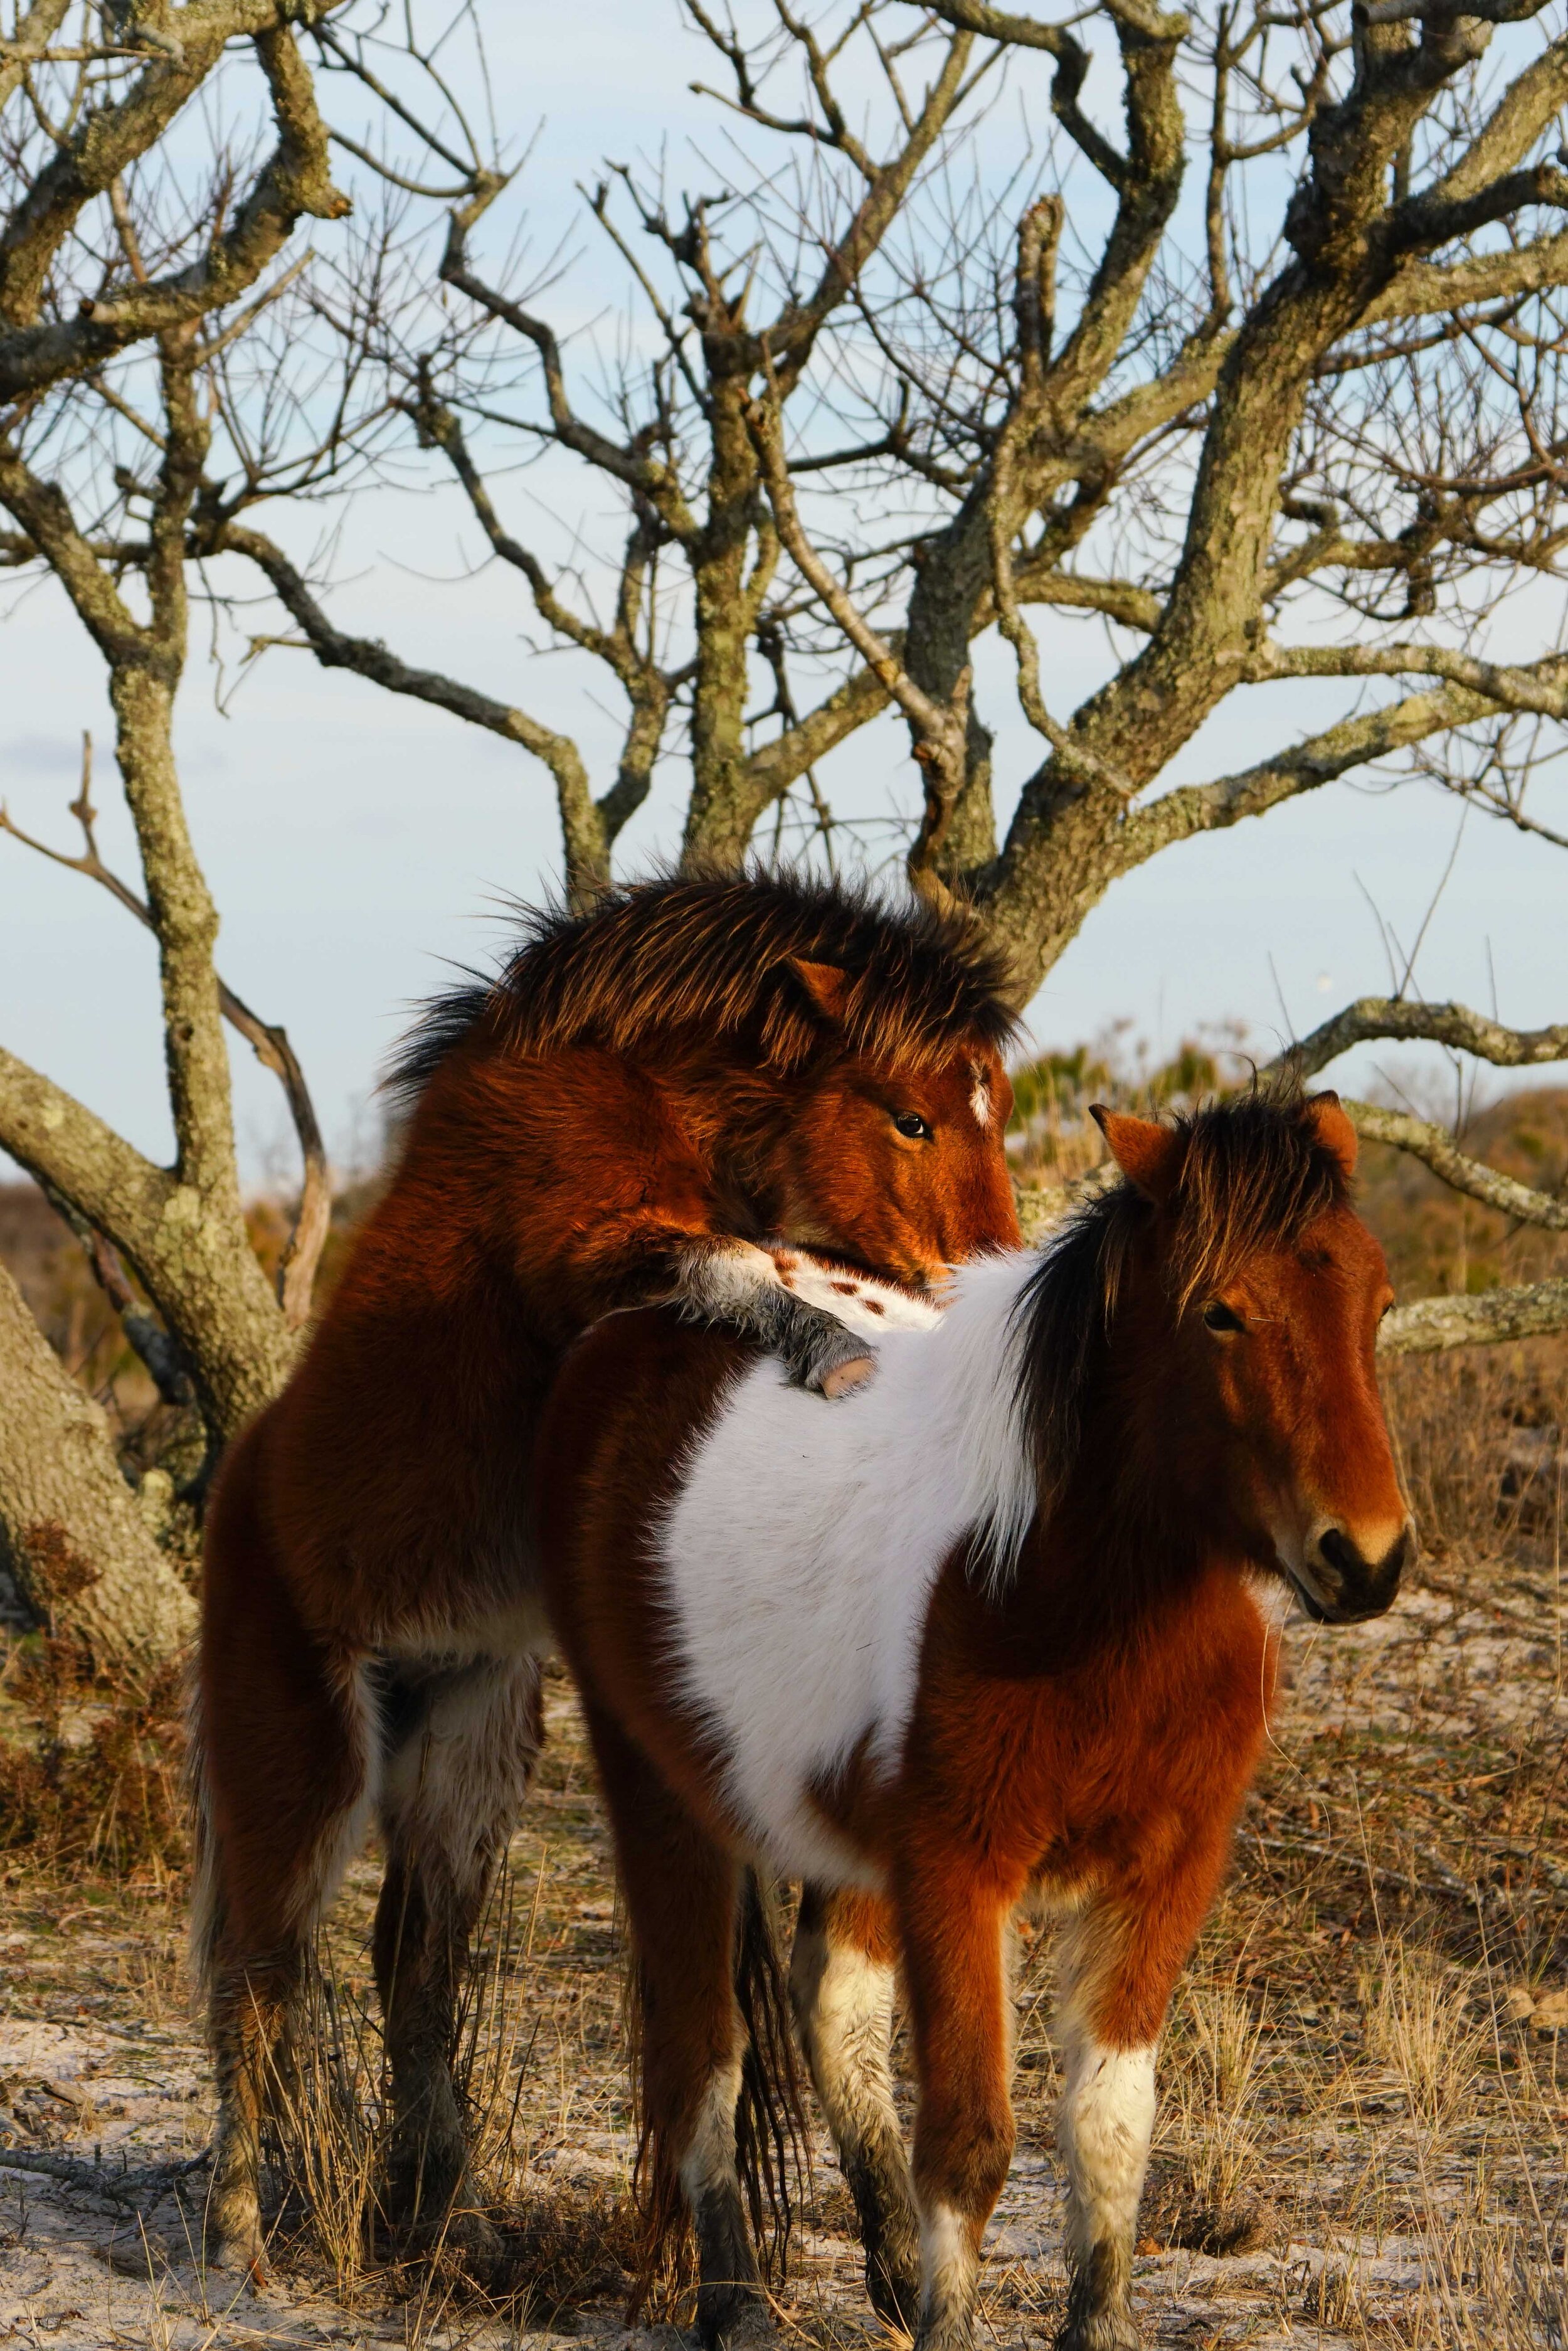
(1302,420)
(1291,414)
(119,282)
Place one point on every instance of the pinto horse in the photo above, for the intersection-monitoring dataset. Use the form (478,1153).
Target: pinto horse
(1000,1627)
(646,1103)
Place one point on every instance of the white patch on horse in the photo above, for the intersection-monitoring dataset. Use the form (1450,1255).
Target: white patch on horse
(843,2004)
(980,1103)
(344,1838)
(858,1300)
(723,1278)
(454,1787)
(1103,2128)
(707,2159)
(948,2265)
(800,1552)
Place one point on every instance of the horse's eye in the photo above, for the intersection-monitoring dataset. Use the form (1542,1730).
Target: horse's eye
(1217,1316)
(910,1123)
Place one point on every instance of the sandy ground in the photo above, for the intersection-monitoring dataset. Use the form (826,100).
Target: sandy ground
(1364,2091)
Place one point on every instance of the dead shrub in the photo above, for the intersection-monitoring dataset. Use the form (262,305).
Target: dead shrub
(1205,2196)
(1482,1434)
(96,1784)
(559,2246)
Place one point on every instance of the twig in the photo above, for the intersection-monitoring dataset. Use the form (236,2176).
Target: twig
(297,1270)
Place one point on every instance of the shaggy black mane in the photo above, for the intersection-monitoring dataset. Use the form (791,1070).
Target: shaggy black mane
(653,960)
(1253,1174)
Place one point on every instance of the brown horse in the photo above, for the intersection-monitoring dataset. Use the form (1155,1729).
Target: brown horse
(997,1629)
(645,1105)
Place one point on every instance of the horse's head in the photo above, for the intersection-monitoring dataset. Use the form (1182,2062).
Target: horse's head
(893,1158)
(1270,1289)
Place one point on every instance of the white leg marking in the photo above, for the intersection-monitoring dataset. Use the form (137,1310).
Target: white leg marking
(345,1840)
(725,1279)
(844,2002)
(948,2265)
(708,2161)
(1106,2119)
(451,1791)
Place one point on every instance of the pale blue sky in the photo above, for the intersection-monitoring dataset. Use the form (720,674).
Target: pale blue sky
(354,841)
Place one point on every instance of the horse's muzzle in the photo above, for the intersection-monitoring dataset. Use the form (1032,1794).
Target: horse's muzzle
(1337,1582)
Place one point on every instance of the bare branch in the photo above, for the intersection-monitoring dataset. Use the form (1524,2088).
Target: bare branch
(1541,688)
(790,338)
(296,181)
(1436,1147)
(1430,286)
(1454,1025)
(937,729)
(34,34)
(1429,1325)
(75,1154)
(162,1355)
(1354,743)
(587,861)
(772,770)
(296,1270)
(657,480)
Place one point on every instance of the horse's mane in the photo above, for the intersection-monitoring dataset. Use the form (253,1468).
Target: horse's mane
(1253,1174)
(652,959)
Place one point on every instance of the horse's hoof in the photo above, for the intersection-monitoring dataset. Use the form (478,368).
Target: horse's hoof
(1101,2330)
(473,2234)
(459,2229)
(895,2296)
(231,2235)
(729,2316)
(843,1377)
(241,2255)
(427,2195)
(951,2332)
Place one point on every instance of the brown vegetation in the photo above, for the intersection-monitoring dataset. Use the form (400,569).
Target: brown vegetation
(1364,2139)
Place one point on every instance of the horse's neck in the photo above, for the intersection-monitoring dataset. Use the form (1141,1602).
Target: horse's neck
(1092,1618)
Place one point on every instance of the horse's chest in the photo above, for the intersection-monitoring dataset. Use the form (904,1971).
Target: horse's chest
(1065,1781)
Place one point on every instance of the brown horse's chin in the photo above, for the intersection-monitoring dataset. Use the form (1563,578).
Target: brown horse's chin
(1357,1611)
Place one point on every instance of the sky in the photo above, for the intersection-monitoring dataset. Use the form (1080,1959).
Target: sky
(358,844)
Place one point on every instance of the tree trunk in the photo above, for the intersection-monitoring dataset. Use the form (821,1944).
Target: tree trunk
(70,1532)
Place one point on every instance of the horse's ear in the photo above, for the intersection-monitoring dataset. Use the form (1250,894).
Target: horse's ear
(824,983)
(1334,1130)
(1147,1154)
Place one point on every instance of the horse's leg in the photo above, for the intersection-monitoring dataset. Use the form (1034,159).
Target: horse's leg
(680,1889)
(736,1282)
(841,1979)
(459,1744)
(954,1930)
(1103,2126)
(282,1758)
(1121,1955)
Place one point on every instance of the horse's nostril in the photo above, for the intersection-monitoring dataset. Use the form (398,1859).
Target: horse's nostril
(1338,1553)
(1347,1566)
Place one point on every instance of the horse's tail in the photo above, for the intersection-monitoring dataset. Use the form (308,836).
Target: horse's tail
(772,2130)
(772,2143)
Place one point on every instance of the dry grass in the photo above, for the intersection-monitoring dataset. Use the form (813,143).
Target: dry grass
(1364,2132)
